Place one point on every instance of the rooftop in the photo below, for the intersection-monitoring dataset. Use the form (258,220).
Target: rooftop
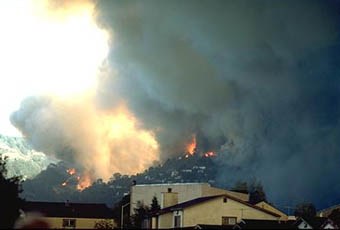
(173,184)
(207,198)
(65,209)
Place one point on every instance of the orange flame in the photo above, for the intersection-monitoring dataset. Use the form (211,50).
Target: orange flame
(84,182)
(71,171)
(209,154)
(192,146)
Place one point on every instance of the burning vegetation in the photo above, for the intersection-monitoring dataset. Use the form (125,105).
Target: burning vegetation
(80,181)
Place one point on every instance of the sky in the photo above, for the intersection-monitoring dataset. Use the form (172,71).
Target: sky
(102,83)
(42,52)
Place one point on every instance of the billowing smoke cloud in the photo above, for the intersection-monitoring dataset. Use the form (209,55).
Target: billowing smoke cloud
(74,131)
(256,81)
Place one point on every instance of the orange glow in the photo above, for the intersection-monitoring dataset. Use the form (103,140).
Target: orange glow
(84,182)
(209,154)
(191,148)
(64,184)
(71,171)
(105,141)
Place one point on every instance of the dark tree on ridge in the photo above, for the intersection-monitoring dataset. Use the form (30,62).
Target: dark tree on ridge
(10,189)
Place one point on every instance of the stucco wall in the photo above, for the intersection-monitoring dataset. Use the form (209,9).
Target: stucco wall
(85,223)
(166,220)
(145,193)
(211,212)
(169,199)
(186,191)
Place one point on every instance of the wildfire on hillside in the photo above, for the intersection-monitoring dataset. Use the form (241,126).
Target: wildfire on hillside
(82,181)
(191,147)
(209,154)
(71,171)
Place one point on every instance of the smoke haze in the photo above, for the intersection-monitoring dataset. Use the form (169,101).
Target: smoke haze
(256,81)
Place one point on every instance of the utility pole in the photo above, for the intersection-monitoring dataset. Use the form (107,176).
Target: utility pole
(122,215)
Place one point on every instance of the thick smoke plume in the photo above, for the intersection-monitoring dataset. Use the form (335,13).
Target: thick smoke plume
(256,81)
(74,131)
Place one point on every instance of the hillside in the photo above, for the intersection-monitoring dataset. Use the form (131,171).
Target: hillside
(177,170)
(23,160)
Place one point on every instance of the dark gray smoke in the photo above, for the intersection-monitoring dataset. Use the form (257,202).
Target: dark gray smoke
(257,81)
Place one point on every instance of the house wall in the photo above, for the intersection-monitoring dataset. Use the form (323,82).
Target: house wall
(268,207)
(212,211)
(168,199)
(165,220)
(85,223)
(145,193)
(186,191)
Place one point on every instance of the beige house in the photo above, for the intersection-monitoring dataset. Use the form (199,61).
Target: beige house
(70,215)
(186,191)
(210,210)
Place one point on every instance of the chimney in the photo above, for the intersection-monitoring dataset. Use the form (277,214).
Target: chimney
(169,198)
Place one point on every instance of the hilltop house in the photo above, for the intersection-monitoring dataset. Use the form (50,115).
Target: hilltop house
(70,215)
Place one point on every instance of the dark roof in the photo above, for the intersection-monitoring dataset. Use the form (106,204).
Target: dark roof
(72,210)
(208,226)
(265,224)
(240,191)
(315,222)
(203,199)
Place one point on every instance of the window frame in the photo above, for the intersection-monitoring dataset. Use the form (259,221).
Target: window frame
(67,223)
(179,215)
(226,220)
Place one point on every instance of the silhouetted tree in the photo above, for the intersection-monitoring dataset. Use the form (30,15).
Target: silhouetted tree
(240,186)
(256,192)
(10,189)
(305,210)
(335,216)
(154,205)
(254,188)
(140,215)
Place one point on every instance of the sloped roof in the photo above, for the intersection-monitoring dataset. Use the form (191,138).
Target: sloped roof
(265,224)
(315,222)
(207,198)
(72,210)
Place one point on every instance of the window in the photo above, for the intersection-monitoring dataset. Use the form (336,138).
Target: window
(225,200)
(229,220)
(177,221)
(69,223)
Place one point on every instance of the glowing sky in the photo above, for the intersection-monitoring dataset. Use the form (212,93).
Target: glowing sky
(46,51)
